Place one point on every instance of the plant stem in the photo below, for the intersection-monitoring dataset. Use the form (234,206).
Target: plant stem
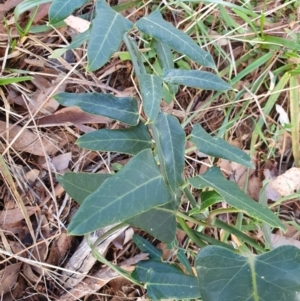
(190,219)
(239,234)
(190,233)
(190,197)
(115,268)
(107,234)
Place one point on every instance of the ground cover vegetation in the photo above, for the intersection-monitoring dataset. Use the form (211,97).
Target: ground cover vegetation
(150,150)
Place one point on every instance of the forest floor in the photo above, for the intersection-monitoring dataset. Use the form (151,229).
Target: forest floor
(259,56)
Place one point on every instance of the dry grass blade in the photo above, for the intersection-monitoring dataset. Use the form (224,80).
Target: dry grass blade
(11,184)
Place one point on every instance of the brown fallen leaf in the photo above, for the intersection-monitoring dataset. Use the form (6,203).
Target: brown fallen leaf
(239,174)
(9,276)
(27,141)
(44,90)
(12,216)
(59,248)
(70,115)
(60,162)
(41,13)
(280,240)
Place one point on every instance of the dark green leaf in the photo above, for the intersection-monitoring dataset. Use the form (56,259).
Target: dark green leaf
(162,285)
(195,78)
(106,37)
(164,54)
(208,198)
(80,185)
(217,147)
(142,268)
(146,247)
(185,262)
(128,141)
(160,222)
(234,196)
(172,144)
(61,9)
(151,89)
(135,189)
(226,276)
(124,109)
(166,33)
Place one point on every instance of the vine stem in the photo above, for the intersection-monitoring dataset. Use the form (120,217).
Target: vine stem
(102,259)
(190,233)
(218,223)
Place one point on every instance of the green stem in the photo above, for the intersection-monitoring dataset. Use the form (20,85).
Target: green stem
(218,223)
(190,233)
(117,269)
(214,213)
(107,234)
(190,219)
(190,197)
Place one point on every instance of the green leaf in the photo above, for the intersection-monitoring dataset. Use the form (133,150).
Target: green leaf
(127,141)
(61,9)
(185,262)
(175,286)
(166,281)
(166,33)
(106,37)
(160,222)
(77,41)
(196,79)
(142,268)
(172,144)
(164,54)
(135,189)
(146,247)
(217,147)
(151,89)
(80,185)
(12,80)
(225,276)
(165,59)
(124,109)
(234,196)
(208,198)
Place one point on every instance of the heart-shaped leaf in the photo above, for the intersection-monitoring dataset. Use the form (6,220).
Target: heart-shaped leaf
(61,9)
(127,141)
(166,281)
(106,37)
(166,33)
(80,185)
(137,188)
(234,196)
(124,109)
(172,144)
(195,78)
(217,147)
(151,89)
(225,276)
